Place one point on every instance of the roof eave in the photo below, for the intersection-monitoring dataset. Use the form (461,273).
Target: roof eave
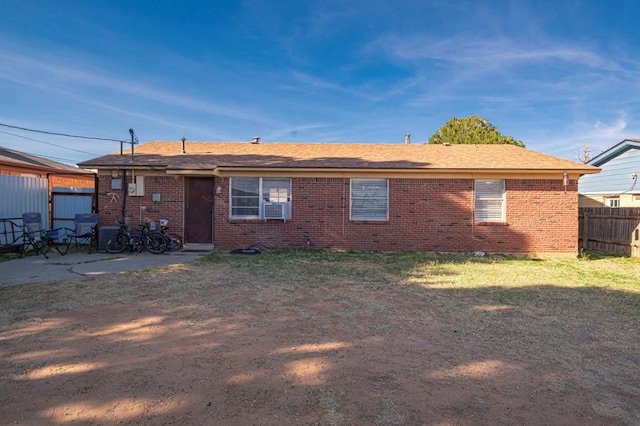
(614,151)
(415,173)
(22,167)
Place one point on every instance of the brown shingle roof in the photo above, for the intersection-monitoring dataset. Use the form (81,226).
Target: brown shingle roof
(211,155)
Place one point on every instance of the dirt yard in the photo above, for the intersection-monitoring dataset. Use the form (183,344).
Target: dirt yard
(327,339)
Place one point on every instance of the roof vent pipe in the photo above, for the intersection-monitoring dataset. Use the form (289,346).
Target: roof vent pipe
(255,140)
(183,150)
(407,138)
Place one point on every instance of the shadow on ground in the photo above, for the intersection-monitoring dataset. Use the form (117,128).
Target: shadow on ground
(317,341)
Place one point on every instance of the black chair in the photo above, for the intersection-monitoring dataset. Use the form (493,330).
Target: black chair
(86,225)
(10,236)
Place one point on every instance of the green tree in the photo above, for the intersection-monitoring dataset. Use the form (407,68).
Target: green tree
(471,130)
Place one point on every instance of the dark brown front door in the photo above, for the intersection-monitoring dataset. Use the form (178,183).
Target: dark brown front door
(198,215)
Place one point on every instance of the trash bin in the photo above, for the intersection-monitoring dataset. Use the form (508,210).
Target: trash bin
(104,232)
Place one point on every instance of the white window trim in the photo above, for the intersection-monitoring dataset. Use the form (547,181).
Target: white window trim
(612,200)
(492,197)
(370,218)
(261,201)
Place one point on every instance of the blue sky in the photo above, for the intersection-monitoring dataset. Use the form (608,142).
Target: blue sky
(555,74)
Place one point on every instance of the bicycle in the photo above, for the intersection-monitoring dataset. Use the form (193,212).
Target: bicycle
(123,239)
(174,241)
(152,241)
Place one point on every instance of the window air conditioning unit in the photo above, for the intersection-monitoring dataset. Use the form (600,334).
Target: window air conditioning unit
(274,211)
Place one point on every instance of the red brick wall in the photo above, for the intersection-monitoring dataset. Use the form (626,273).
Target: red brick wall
(86,181)
(424,214)
(74,181)
(143,209)
(544,214)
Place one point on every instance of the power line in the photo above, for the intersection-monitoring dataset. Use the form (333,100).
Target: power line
(48,143)
(58,159)
(62,134)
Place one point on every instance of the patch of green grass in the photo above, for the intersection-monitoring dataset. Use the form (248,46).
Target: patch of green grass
(5,257)
(608,283)
(438,270)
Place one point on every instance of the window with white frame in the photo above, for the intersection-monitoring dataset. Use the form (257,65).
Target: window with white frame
(489,200)
(369,199)
(260,198)
(613,201)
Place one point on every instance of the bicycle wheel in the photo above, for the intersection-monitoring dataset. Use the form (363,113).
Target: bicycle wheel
(135,243)
(155,243)
(176,242)
(116,243)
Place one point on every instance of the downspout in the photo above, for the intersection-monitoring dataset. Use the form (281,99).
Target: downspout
(213,211)
(50,199)
(96,204)
(124,189)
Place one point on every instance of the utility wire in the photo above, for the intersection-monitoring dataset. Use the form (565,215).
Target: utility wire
(58,159)
(62,134)
(48,143)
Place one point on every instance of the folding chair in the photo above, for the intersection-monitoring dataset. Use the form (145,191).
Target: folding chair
(38,238)
(84,232)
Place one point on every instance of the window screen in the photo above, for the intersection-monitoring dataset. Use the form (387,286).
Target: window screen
(245,197)
(369,199)
(489,201)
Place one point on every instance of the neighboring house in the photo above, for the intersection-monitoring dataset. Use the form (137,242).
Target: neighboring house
(617,184)
(32,183)
(445,198)
(21,164)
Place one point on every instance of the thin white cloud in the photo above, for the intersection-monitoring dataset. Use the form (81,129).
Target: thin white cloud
(601,135)
(365,91)
(309,82)
(487,52)
(73,76)
(598,135)
(296,131)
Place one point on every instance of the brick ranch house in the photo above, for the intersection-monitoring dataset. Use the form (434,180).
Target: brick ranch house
(362,197)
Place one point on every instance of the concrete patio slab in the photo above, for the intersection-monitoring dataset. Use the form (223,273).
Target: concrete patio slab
(34,269)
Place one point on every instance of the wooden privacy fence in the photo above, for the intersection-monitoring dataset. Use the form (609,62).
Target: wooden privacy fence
(610,230)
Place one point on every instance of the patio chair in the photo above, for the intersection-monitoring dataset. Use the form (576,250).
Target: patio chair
(36,237)
(86,225)
(10,236)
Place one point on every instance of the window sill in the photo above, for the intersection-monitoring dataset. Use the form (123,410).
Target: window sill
(491,224)
(255,220)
